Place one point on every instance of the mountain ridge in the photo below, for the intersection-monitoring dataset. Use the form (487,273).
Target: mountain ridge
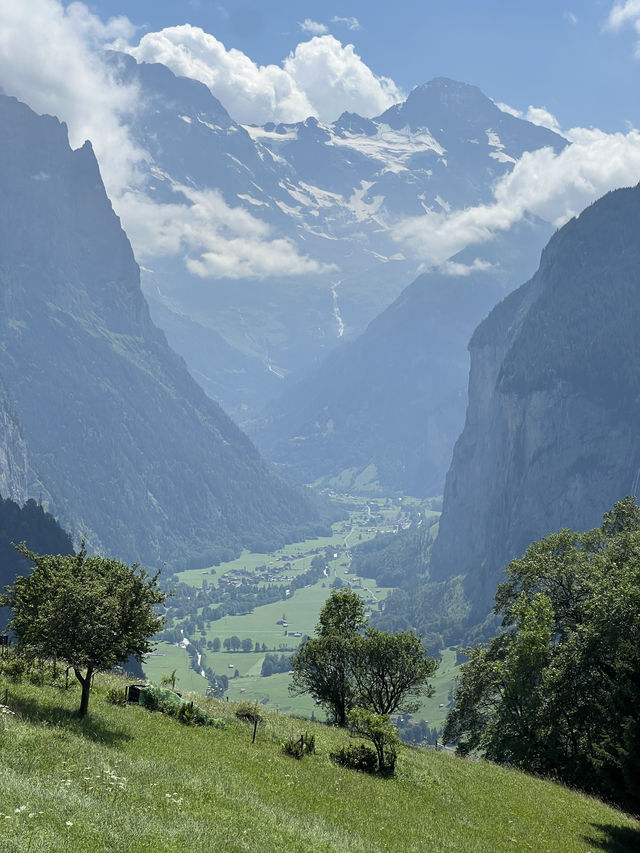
(125,448)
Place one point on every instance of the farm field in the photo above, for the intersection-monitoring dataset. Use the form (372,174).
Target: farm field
(300,611)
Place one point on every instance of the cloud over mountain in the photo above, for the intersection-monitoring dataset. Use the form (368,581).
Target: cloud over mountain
(216,240)
(48,59)
(552,186)
(320,78)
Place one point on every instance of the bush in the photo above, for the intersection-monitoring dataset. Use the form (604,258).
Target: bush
(15,669)
(248,712)
(116,696)
(167,702)
(36,675)
(298,747)
(357,757)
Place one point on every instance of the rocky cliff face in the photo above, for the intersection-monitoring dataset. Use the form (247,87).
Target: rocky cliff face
(551,437)
(14,467)
(126,449)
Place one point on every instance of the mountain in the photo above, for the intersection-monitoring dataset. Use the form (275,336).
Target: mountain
(329,196)
(383,411)
(124,448)
(551,437)
(14,458)
(31,524)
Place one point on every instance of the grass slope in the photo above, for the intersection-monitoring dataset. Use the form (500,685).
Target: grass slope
(127,780)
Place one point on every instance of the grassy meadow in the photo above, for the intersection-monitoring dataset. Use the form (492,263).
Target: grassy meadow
(128,780)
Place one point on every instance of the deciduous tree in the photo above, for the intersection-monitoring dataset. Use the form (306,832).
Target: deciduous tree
(90,611)
(344,666)
(558,691)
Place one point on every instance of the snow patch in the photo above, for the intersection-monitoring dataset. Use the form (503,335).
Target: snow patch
(362,209)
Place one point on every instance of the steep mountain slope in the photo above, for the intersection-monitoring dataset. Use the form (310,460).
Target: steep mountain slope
(386,409)
(30,524)
(125,448)
(14,464)
(551,436)
(333,195)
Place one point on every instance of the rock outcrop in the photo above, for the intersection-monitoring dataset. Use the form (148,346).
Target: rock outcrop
(551,436)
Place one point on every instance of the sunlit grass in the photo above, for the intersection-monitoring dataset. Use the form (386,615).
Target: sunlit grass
(126,779)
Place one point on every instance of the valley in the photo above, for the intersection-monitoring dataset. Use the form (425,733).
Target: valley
(193,644)
(310,378)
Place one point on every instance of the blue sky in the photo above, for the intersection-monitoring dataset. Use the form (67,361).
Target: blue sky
(543,53)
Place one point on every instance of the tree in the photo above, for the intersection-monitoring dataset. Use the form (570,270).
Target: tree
(90,611)
(235,643)
(323,666)
(247,644)
(342,614)
(391,671)
(216,644)
(558,691)
(342,667)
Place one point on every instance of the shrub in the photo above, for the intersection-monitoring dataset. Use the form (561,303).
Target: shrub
(116,696)
(167,702)
(297,747)
(15,669)
(248,712)
(36,675)
(357,757)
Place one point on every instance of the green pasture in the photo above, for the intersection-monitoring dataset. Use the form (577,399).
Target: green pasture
(127,780)
(301,611)
(169,657)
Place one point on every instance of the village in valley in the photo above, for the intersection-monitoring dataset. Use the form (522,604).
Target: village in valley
(231,628)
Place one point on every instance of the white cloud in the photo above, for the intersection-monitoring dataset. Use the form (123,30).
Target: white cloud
(334,79)
(251,93)
(47,60)
(455,268)
(313,27)
(552,186)
(536,115)
(623,13)
(542,116)
(321,77)
(350,23)
(215,240)
(571,17)
(50,59)
(512,111)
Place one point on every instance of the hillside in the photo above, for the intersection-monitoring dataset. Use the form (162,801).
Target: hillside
(123,446)
(30,524)
(130,780)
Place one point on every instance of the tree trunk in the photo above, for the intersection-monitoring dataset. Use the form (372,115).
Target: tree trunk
(86,688)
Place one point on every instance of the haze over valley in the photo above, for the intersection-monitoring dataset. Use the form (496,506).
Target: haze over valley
(282,323)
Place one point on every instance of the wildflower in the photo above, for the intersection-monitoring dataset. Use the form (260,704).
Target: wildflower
(69,823)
